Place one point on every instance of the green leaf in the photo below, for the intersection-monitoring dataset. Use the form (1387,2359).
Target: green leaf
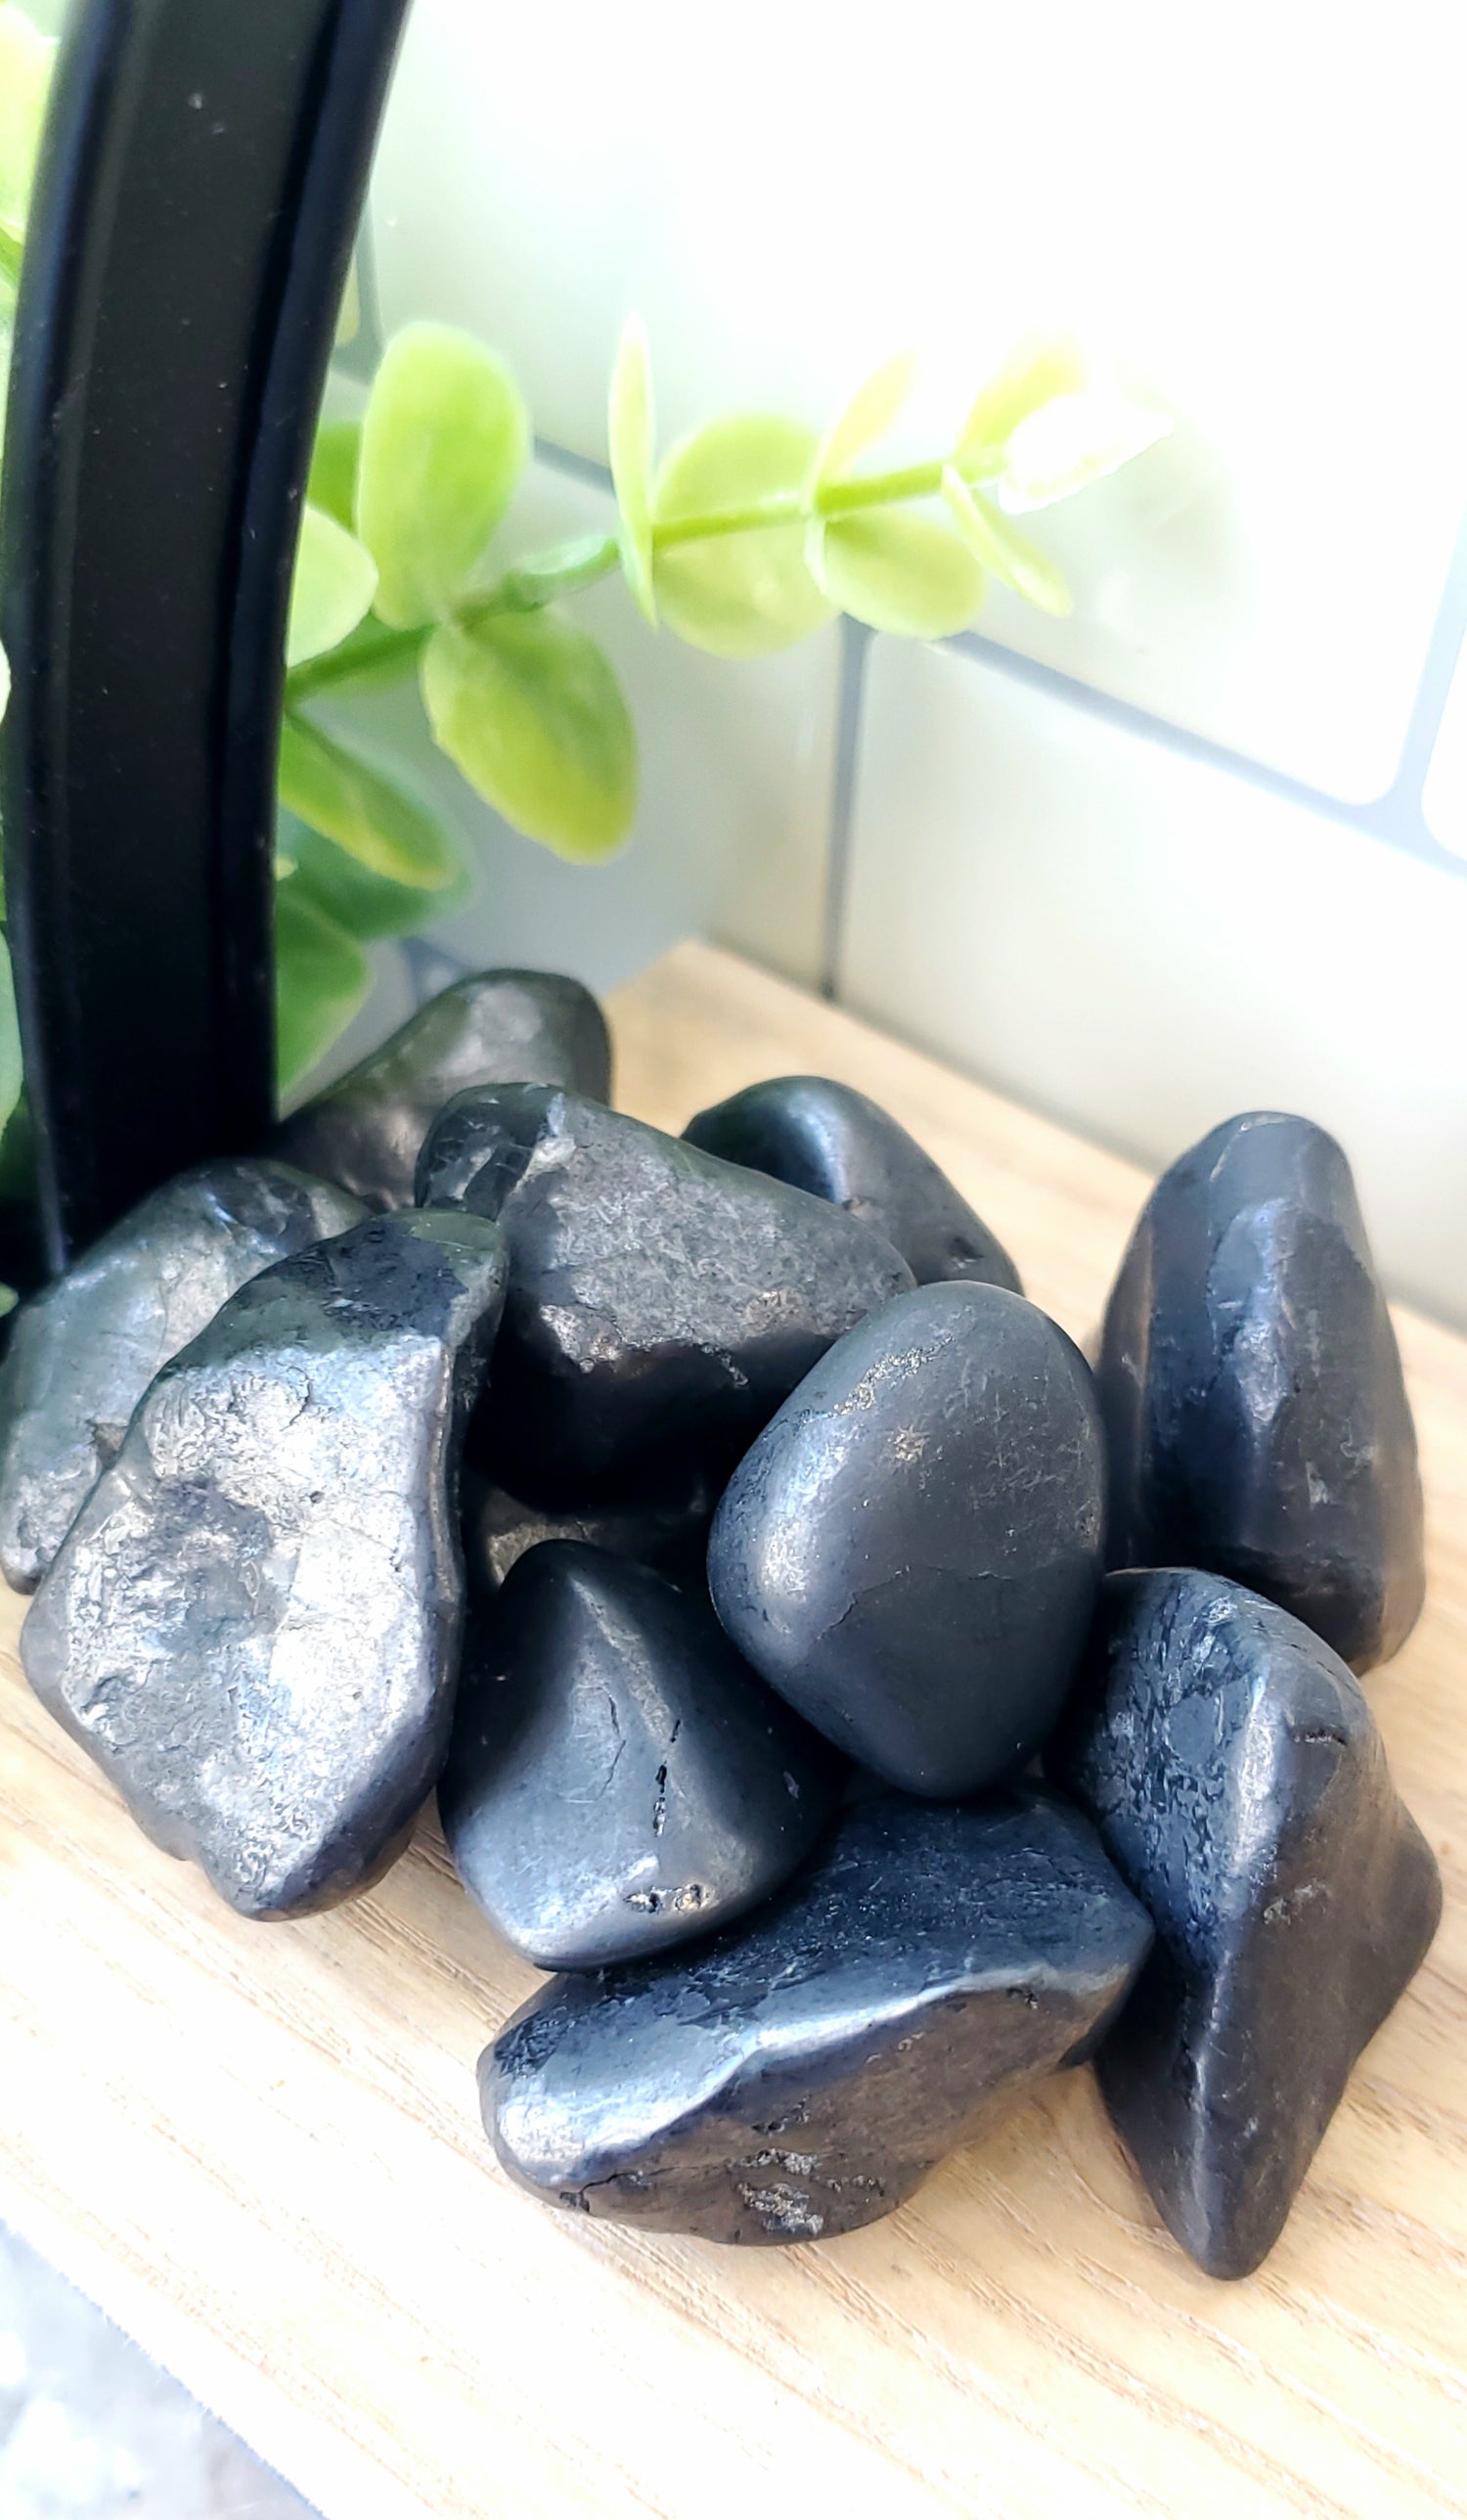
(10,1039)
(630,434)
(26,64)
(532,713)
(1000,549)
(332,481)
(1034,374)
(1069,444)
(367,905)
(738,595)
(898,573)
(331,590)
(343,796)
(445,438)
(349,312)
(322,979)
(868,416)
(371,658)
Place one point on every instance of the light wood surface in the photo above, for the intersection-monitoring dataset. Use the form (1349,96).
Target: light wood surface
(259,2147)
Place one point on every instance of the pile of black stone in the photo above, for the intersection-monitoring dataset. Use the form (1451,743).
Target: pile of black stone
(784,1520)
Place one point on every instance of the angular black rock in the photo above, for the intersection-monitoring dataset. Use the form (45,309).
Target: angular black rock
(253,1625)
(367,1129)
(838,1145)
(663,1527)
(1235,1771)
(618,1780)
(910,1552)
(801,2075)
(83,1351)
(1251,1386)
(661,1302)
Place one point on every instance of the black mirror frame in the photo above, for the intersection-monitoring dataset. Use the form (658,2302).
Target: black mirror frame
(200,184)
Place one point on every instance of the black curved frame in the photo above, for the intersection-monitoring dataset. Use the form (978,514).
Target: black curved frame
(201,185)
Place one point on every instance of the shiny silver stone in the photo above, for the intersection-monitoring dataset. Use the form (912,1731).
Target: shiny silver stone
(367,1129)
(253,1625)
(83,1351)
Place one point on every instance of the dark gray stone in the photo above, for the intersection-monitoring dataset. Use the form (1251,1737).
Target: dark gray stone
(253,1625)
(1252,1390)
(910,1552)
(618,1780)
(664,1528)
(838,1145)
(661,1302)
(367,1129)
(802,2074)
(83,1351)
(1235,1771)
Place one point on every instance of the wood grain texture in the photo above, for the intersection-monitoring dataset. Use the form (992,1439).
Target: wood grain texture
(259,2146)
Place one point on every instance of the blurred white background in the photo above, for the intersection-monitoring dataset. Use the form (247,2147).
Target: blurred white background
(1194,848)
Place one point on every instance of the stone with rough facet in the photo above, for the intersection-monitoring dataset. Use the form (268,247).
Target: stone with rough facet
(838,1145)
(663,1527)
(1237,1776)
(618,1780)
(1251,1385)
(367,1129)
(800,2076)
(253,1625)
(661,1301)
(83,1351)
(910,1552)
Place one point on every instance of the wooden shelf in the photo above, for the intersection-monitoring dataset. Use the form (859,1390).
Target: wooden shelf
(259,2149)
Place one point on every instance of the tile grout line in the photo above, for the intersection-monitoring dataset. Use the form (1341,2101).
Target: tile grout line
(855,651)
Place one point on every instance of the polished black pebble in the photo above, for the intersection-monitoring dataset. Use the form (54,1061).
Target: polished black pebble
(910,1552)
(665,1527)
(618,1780)
(83,1351)
(253,1625)
(661,1302)
(801,2075)
(1235,1774)
(367,1129)
(1251,1385)
(838,1145)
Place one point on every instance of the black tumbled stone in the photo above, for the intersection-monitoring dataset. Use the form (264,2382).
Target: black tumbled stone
(253,1624)
(83,1351)
(661,1302)
(800,2076)
(618,1780)
(1235,1774)
(1251,1385)
(367,1129)
(838,1145)
(910,1552)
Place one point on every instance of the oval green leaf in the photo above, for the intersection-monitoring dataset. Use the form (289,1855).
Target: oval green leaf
(868,416)
(27,59)
(11,1078)
(445,438)
(899,573)
(367,905)
(332,484)
(322,978)
(746,593)
(1000,549)
(339,793)
(630,432)
(1069,444)
(1032,375)
(331,590)
(532,713)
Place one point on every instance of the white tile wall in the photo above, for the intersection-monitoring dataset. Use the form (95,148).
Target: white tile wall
(1259,217)
(1142,943)
(1133,865)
